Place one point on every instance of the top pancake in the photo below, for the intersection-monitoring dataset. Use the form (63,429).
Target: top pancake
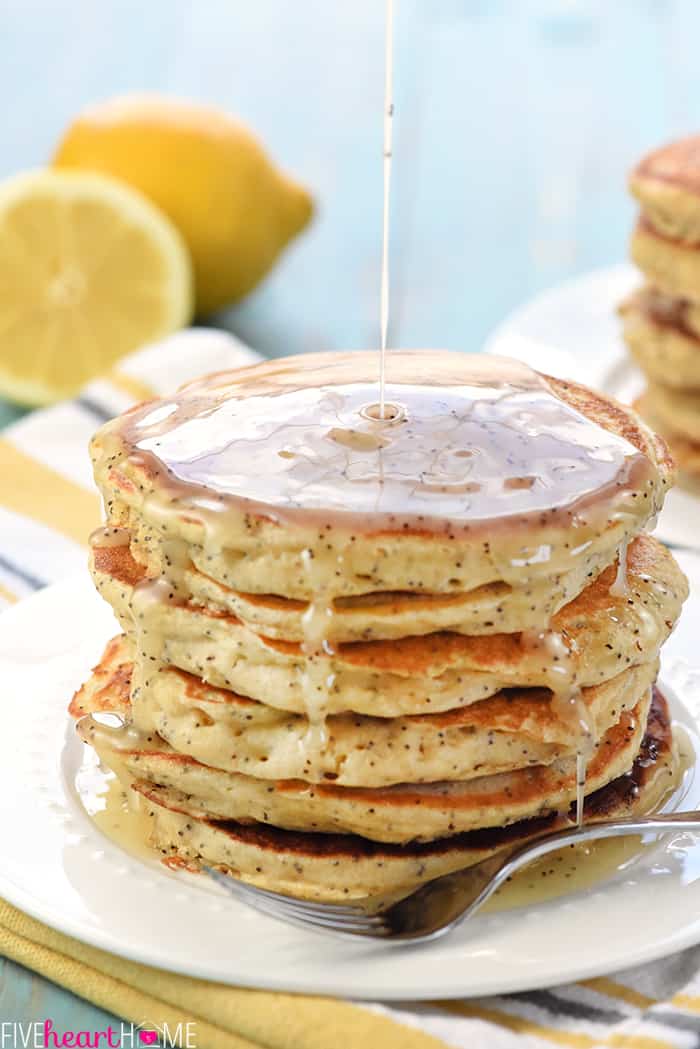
(666,182)
(465,492)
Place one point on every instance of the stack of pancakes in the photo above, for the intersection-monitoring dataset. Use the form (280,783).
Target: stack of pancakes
(359,653)
(661,321)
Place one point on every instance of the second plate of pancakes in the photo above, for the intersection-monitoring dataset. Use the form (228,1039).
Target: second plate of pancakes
(574,330)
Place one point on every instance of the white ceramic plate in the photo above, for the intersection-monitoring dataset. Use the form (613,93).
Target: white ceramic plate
(56,865)
(573,331)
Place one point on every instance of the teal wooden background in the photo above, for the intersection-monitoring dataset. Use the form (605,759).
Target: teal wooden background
(516,121)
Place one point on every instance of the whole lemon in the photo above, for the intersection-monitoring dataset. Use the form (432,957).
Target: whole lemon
(89,270)
(234,209)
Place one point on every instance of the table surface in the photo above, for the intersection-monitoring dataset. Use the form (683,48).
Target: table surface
(516,121)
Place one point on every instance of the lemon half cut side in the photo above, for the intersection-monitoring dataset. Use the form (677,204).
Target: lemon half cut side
(89,270)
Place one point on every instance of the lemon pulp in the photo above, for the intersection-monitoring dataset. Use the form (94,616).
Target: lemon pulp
(89,270)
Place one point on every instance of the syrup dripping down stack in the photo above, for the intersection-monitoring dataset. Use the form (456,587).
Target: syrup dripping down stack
(358,653)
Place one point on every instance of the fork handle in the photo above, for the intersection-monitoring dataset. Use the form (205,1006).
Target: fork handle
(665,822)
(533,850)
(441,904)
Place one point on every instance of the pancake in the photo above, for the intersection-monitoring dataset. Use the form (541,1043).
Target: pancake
(677,410)
(686,453)
(601,633)
(335,867)
(666,183)
(670,265)
(108,689)
(663,336)
(506,732)
(400,813)
(511,730)
(227,477)
(495,607)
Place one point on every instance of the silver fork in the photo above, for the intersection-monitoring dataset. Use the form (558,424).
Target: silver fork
(443,903)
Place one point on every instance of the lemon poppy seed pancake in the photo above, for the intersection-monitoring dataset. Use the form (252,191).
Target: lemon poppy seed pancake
(686,452)
(603,631)
(672,266)
(663,336)
(666,183)
(511,730)
(677,410)
(355,637)
(486,472)
(491,607)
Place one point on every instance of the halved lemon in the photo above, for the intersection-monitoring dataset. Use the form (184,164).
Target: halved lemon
(89,270)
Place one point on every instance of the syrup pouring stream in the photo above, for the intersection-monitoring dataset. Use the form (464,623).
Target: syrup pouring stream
(388,127)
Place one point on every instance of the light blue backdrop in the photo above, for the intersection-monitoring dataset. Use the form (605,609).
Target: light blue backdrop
(516,121)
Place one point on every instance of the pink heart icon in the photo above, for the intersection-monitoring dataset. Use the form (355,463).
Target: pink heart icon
(148,1037)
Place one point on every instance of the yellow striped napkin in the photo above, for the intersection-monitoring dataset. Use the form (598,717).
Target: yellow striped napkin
(47,508)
